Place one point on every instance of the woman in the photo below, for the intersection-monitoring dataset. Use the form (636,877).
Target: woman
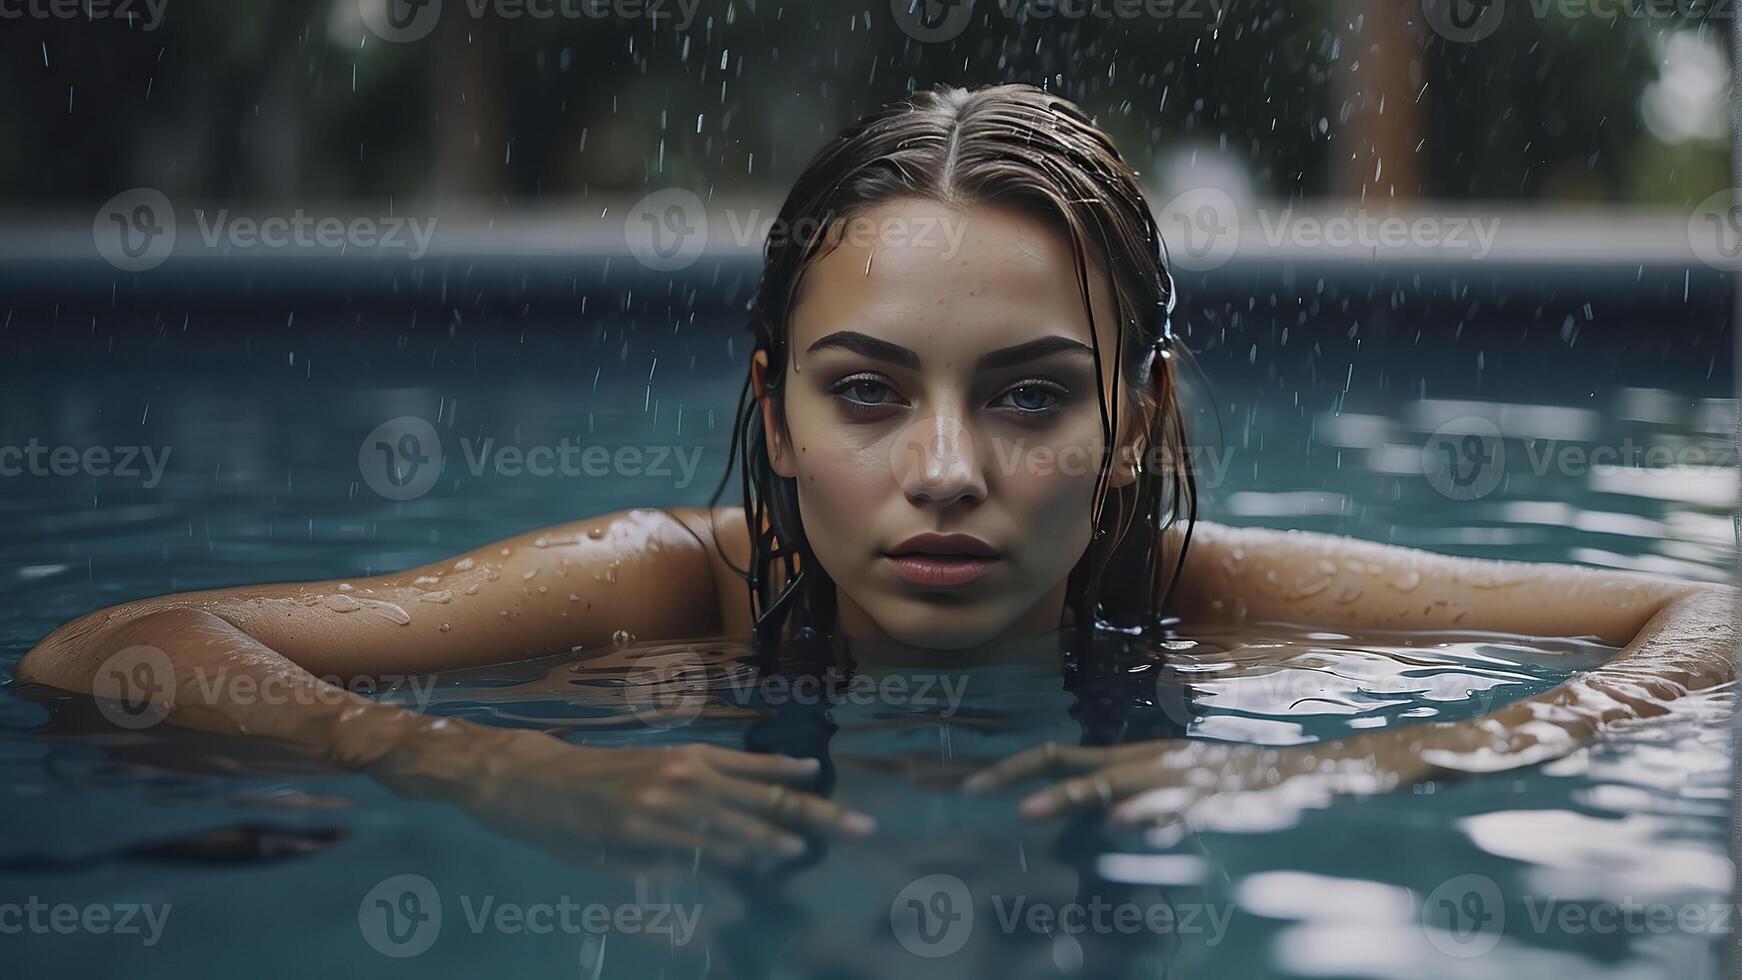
(957,442)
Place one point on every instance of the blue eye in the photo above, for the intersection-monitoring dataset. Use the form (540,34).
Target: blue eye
(863,392)
(1032,399)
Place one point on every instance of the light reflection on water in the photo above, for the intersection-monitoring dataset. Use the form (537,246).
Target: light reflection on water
(265,487)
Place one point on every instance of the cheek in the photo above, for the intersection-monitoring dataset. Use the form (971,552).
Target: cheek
(842,475)
(1052,492)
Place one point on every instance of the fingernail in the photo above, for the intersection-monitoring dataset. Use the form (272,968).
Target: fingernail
(977,783)
(1035,807)
(858,823)
(789,846)
(806,763)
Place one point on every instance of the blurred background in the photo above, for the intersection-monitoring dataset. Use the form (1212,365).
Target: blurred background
(520,104)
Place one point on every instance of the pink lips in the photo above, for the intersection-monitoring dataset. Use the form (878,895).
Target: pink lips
(946,560)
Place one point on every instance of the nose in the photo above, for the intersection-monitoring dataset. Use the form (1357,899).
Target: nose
(934,460)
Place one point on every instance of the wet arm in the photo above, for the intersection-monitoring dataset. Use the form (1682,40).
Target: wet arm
(1249,575)
(545,592)
(1676,637)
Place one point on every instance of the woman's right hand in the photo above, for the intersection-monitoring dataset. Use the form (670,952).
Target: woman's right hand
(729,808)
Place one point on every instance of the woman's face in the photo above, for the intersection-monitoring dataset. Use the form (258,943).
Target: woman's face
(941,382)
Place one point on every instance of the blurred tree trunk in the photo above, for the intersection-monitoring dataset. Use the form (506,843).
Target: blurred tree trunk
(1378,72)
(471,109)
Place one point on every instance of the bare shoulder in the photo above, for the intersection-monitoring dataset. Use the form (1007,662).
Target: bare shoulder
(643,571)
(724,534)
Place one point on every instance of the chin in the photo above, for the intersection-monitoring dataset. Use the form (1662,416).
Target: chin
(942,628)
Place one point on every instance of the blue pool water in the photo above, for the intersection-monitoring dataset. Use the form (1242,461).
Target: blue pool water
(263,483)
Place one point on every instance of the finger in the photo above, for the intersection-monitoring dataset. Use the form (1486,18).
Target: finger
(1050,759)
(1103,788)
(1075,795)
(1156,806)
(659,836)
(761,766)
(756,835)
(793,808)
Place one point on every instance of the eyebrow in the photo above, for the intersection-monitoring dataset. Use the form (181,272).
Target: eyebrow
(883,350)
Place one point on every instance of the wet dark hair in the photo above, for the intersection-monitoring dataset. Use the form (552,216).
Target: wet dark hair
(1013,146)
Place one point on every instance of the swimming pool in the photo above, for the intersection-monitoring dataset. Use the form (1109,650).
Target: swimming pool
(245,411)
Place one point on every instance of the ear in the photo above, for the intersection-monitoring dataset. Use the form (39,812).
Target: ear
(1130,457)
(779,453)
(1123,472)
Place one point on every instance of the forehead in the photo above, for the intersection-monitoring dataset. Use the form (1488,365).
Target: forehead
(950,283)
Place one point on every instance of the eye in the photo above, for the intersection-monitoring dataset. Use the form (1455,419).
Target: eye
(864,391)
(1032,398)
